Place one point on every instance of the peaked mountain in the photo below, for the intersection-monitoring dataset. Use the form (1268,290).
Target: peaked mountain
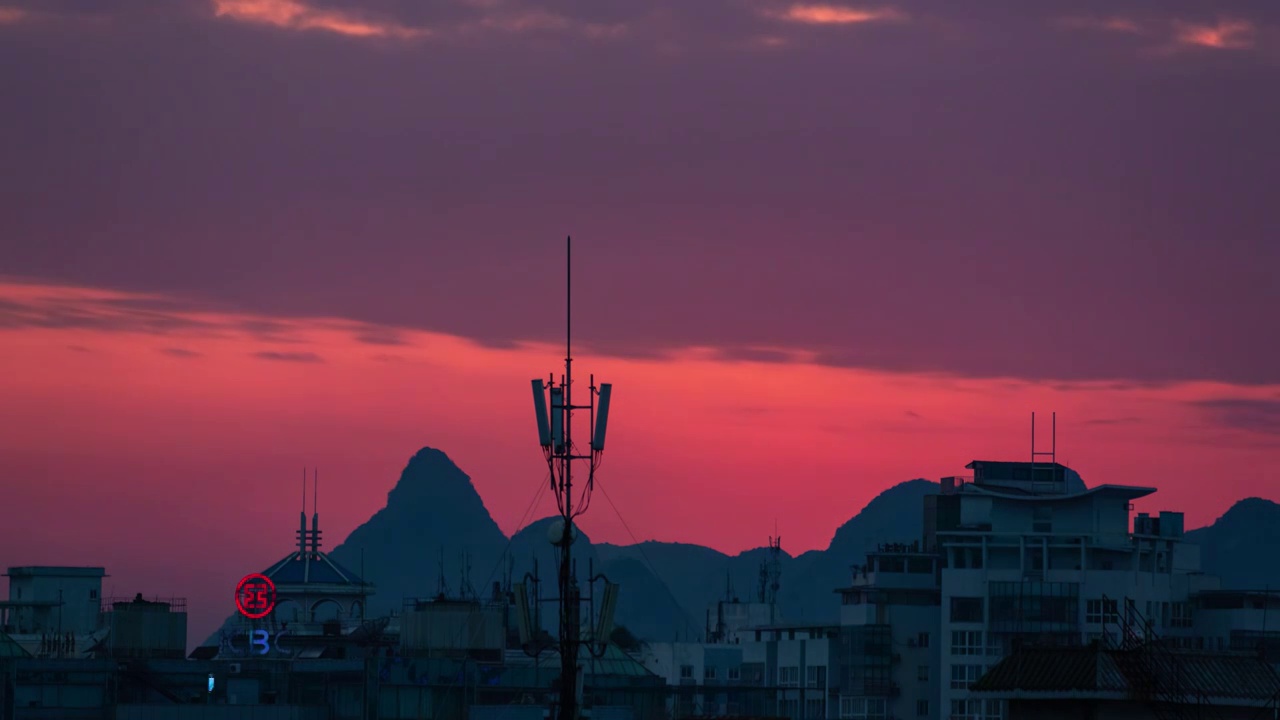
(434,509)
(1243,546)
(895,515)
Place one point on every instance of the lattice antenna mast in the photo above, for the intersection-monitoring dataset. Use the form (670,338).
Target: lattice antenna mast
(556,438)
(315,512)
(302,520)
(1037,455)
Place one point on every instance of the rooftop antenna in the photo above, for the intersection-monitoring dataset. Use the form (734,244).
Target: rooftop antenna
(315,514)
(556,438)
(775,574)
(1052,453)
(302,518)
(443,588)
(465,591)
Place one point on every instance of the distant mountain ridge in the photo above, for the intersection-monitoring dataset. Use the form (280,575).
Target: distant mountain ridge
(666,587)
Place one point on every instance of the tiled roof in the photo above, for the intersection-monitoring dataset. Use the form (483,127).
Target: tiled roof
(1222,675)
(299,568)
(1096,669)
(1049,669)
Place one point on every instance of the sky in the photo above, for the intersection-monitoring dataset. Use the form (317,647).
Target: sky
(819,249)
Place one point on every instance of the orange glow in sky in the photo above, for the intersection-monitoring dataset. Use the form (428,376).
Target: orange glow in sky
(167,444)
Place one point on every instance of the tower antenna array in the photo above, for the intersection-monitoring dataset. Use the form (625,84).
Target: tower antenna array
(555,425)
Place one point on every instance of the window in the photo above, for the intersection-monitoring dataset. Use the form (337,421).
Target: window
(962,676)
(966,642)
(922,674)
(993,709)
(1042,519)
(923,640)
(815,708)
(735,673)
(966,710)
(709,673)
(1098,611)
(815,676)
(686,672)
(1181,617)
(859,708)
(922,708)
(966,609)
(789,676)
(93,594)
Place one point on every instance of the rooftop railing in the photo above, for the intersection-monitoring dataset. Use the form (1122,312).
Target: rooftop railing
(176,604)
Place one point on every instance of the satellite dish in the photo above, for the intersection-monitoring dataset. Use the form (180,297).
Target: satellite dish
(555,534)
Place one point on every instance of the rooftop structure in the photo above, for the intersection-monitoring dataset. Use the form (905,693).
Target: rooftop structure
(310,586)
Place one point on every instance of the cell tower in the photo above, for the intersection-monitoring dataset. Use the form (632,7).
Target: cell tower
(556,438)
(770,576)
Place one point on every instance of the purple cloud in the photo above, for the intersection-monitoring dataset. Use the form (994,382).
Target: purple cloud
(975,188)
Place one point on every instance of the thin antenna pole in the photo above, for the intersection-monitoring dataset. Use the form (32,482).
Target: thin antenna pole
(315,491)
(568,296)
(568,596)
(1054,447)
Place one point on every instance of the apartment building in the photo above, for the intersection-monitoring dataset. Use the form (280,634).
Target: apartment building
(1019,551)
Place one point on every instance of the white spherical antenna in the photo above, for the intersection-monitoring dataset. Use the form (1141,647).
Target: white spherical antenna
(555,534)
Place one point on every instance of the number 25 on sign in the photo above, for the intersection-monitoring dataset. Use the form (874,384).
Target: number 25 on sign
(255,596)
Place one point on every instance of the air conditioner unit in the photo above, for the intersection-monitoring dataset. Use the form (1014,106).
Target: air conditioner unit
(234,668)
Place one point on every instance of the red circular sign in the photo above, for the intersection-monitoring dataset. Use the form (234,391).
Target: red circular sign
(255,596)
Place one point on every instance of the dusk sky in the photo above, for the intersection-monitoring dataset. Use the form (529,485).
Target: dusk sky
(819,249)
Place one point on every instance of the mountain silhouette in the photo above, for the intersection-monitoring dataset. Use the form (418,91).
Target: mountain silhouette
(666,588)
(433,510)
(1243,546)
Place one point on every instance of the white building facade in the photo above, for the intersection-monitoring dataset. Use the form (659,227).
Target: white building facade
(1019,552)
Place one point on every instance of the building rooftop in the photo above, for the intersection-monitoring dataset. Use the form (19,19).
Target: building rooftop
(1048,672)
(796,626)
(55,571)
(615,662)
(1130,492)
(9,648)
(299,568)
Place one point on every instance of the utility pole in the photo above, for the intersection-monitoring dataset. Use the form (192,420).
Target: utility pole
(556,438)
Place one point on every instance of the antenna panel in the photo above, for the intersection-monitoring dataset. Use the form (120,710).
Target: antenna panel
(604,628)
(602,417)
(540,407)
(557,417)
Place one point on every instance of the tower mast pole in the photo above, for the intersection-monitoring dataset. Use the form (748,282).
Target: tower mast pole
(569,600)
(555,435)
